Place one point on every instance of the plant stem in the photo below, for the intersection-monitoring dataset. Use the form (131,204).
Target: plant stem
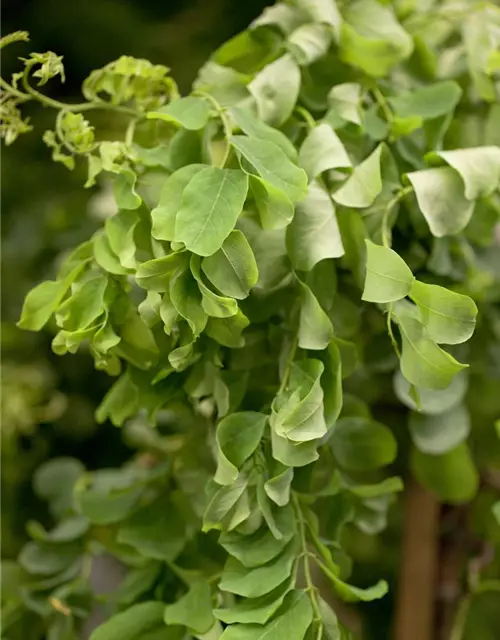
(390,206)
(308,119)
(225,123)
(382,102)
(310,588)
(394,342)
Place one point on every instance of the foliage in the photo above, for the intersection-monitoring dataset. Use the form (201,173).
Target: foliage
(292,244)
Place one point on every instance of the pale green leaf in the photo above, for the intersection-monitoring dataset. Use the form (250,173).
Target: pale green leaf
(252,583)
(344,101)
(276,89)
(363,185)
(431,401)
(275,208)
(479,168)
(309,42)
(227,331)
(331,628)
(331,382)
(191,112)
(232,269)
(423,363)
(44,300)
(238,435)
(449,317)
(85,304)
(255,128)
(438,433)
(255,610)
(278,487)
(372,39)
(211,204)
(388,277)
(105,256)
(156,274)
(124,190)
(213,304)
(293,454)
(291,622)
(315,327)
(361,444)
(142,621)
(186,299)
(272,164)
(322,11)
(428,102)
(164,214)
(222,502)
(349,593)
(322,150)
(193,610)
(441,199)
(298,411)
(260,547)
(451,475)
(120,230)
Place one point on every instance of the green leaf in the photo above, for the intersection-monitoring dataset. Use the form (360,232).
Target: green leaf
(137,344)
(293,454)
(232,269)
(164,214)
(255,128)
(479,168)
(213,304)
(314,233)
(142,621)
(84,306)
(361,444)
(41,559)
(298,411)
(53,482)
(423,363)
(309,42)
(222,502)
(349,593)
(271,163)
(120,230)
(428,102)
(432,401)
(156,274)
(252,583)
(372,39)
(186,298)
(191,112)
(449,317)
(156,531)
(278,487)
(227,331)
(388,277)
(364,184)
(105,256)
(255,610)
(276,89)
(496,511)
(451,475)
(275,207)
(291,622)
(439,433)
(44,300)
(238,435)
(193,610)
(331,627)
(211,204)
(137,582)
(124,190)
(67,530)
(260,547)
(322,150)
(315,327)
(441,199)
(107,495)
(322,11)
(331,382)
(344,101)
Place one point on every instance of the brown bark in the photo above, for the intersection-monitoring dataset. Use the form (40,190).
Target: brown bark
(415,611)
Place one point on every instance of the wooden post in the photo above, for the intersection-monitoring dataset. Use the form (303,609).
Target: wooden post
(415,611)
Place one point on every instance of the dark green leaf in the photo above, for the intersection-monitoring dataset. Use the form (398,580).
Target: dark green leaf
(362,444)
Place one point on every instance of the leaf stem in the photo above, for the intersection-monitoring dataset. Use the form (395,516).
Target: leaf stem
(311,589)
(394,342)
(308,119)
(382,102)
(386,240)
(224,121)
